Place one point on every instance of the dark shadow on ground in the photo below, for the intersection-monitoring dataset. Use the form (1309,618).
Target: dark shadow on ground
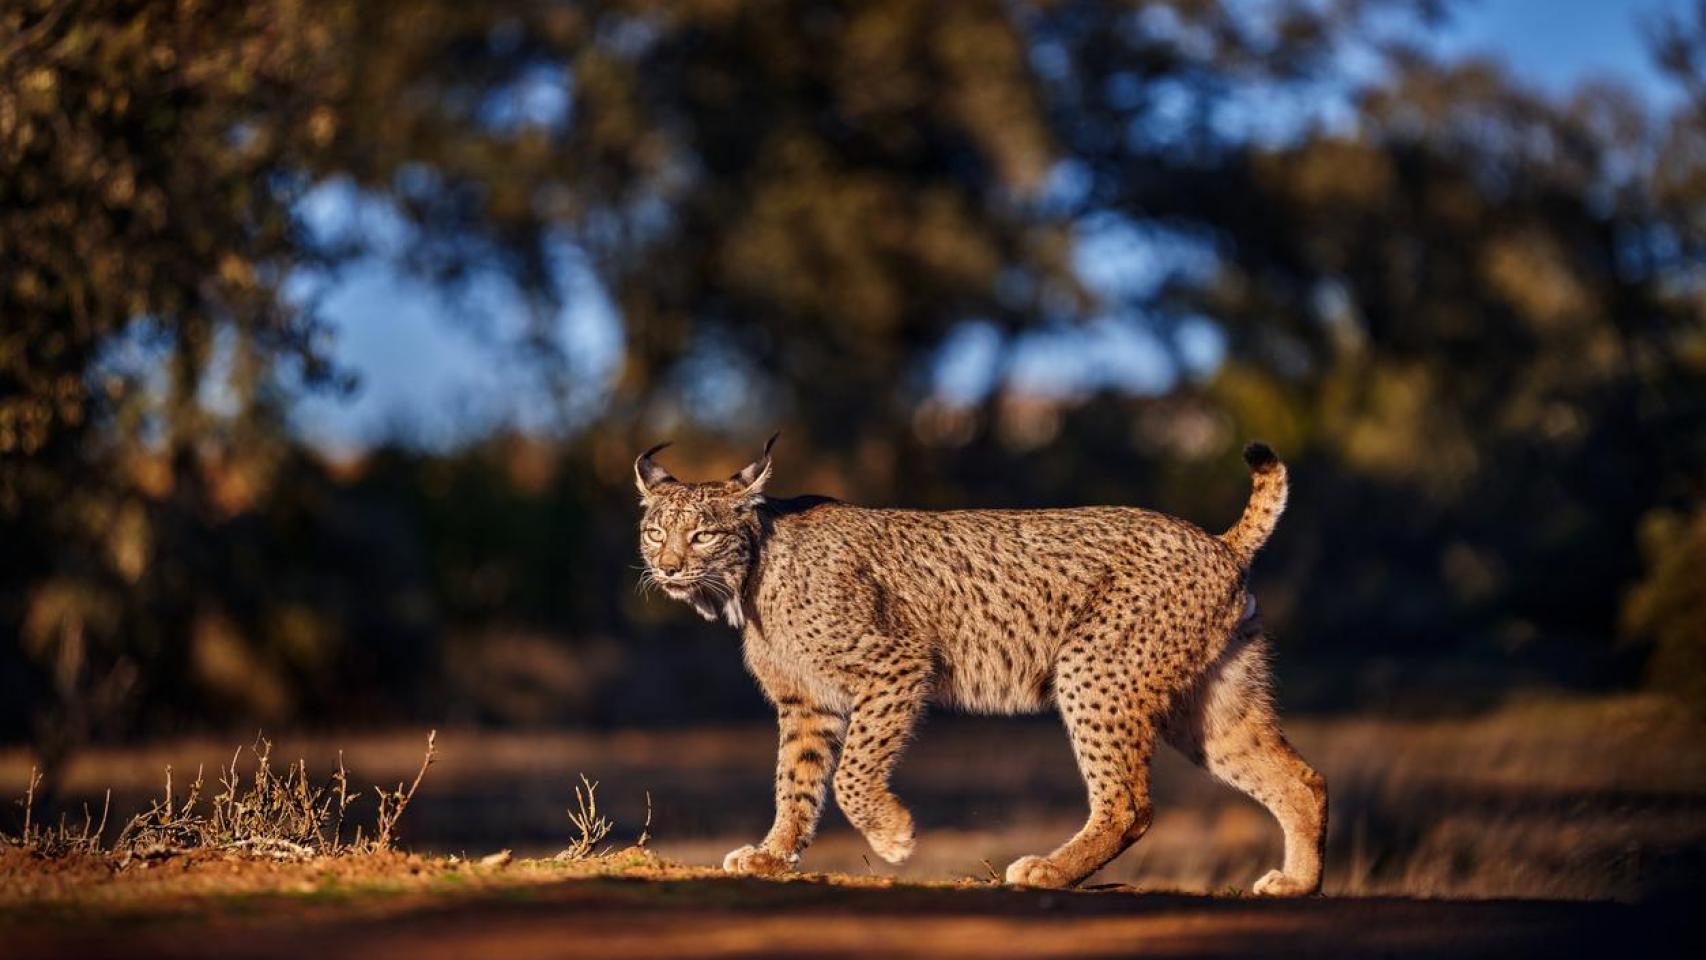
(809,917)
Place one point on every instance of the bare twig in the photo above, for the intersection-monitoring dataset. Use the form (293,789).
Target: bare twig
(30,801)
(340,786)
(592,826)
(392,805)
(100,831)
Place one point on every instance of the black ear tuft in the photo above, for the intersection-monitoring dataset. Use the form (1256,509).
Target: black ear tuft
(1259,457)
(753,476)
(648,475)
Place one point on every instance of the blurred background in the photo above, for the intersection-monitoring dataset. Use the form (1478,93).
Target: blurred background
(329,331)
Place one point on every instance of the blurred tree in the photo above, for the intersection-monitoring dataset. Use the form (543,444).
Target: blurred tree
(150,154)
(1667,609)
(1469,313)
(1473,306)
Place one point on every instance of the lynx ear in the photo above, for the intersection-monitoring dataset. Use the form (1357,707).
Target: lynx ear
(754,475)
(648,476)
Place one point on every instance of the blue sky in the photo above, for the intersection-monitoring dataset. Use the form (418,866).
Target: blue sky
(1557,43)
(428,373)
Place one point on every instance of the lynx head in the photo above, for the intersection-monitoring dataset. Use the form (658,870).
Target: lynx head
(699,539)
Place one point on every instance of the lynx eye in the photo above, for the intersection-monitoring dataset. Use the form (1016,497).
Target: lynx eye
(653,535)
(705,536)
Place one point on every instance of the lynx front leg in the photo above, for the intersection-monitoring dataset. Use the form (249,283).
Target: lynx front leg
(808,733)
(881,721)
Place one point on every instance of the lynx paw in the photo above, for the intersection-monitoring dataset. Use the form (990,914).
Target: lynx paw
(1036,872)
(894,840)
(757,862)
(1277,884)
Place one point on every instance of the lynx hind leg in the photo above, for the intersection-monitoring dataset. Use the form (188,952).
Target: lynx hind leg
(1101,702)
(1229,728)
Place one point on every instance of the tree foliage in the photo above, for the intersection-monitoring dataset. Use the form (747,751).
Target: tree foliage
(1469,313)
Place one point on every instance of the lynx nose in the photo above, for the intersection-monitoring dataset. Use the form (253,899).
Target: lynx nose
(669,564)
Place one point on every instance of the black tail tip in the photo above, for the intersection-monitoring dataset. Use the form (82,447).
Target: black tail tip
(1258,456)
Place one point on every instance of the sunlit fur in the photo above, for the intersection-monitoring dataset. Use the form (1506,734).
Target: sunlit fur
(1137,626)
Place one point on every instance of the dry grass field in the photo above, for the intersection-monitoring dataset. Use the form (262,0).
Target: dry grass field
(1546,802)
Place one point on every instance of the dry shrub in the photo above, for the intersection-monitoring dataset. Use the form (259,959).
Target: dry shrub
(268,815)
(590,825)
(593,827)
(61,839)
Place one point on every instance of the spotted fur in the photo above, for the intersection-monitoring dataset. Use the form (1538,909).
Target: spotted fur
(1133,624)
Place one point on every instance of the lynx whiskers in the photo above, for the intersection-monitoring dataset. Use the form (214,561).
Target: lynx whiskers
(1133,624)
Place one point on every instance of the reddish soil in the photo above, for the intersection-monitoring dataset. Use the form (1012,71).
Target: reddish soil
(704,916)
(1529,832)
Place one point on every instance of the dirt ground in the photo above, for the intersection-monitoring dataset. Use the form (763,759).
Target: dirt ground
(1597,799)
(631,905)
(1548,828)
(750,918)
